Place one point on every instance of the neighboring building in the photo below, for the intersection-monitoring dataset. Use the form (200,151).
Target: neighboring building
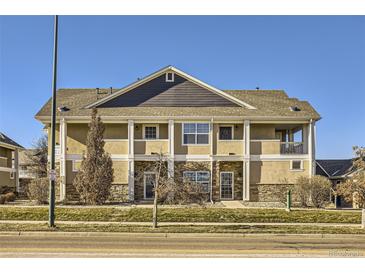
(254,143)
(9,176)
(337,171)
(26,173)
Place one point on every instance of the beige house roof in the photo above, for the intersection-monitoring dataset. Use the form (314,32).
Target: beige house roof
(269,104)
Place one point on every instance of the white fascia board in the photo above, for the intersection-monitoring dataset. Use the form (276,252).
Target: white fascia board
(179,72)
(217,119)
(6,145)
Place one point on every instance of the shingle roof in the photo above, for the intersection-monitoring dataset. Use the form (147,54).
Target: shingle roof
(6,140)
(268,103)
(335,168)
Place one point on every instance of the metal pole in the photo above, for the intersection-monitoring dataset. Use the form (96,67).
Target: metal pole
(52,173)
(288,201)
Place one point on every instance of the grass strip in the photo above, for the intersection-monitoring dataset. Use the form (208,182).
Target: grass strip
(185,229)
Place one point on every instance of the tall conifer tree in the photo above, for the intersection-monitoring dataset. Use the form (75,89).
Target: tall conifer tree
(94,179)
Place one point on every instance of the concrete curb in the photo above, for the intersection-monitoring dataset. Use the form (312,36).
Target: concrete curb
(177,235)
(182,223)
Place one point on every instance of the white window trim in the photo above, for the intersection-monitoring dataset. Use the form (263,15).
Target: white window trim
(232,126)
(144,183)
(167,78)
(220,185)
(196,123)
(74,169)
(196,176)
(150,125)
(301,165)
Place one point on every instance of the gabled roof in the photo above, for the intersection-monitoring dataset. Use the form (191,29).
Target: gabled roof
(270,104)
(7,142)
(226,104)
(178,72)
(335,168)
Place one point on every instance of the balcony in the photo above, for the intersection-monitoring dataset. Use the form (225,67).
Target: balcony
(149,147)
(116,146)
(230,147)
(265,147)
(291,148)
(3,162)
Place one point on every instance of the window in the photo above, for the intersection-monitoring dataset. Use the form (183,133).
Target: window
(296,165)
(226,133)
(196,133)
(199,177)
(150,132)
(149,185)
(170,77)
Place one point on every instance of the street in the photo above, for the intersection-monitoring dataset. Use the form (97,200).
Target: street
(178,245)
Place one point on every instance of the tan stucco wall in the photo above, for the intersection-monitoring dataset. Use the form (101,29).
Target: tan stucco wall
(149,147)
(116,131)
(7,153)
(5,179)
(226,147)
(120,172)
(76,138)
(77,134)
(274,172)
(262,131)
(265,147)
(189,149)
(116,147)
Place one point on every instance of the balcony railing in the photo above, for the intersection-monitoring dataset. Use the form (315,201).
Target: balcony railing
(291,148)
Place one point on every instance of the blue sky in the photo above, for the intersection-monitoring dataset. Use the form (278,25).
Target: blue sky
(316,58)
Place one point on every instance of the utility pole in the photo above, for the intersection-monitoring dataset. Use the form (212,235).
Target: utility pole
(52,173)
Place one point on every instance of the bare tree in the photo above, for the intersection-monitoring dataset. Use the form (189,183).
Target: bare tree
(37,159)
(314,189)
(354,186)
(93,181)
(172,188)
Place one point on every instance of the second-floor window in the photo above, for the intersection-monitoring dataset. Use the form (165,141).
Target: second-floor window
(225,133)
(150,132)
(196,133)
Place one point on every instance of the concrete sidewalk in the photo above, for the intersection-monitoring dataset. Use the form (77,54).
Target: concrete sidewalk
(183,223)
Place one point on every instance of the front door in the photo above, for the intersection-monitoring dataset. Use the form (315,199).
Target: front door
(226,183)
(149,185)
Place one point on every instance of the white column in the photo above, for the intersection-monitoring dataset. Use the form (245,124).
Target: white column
(211,141)
(246,162)
(131,160)
(170,162)
(305,138)
(311,148)
(16,167)
(63,154)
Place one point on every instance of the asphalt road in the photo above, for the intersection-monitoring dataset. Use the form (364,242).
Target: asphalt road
(179,245)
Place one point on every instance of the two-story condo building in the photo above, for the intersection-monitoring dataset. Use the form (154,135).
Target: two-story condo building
(253,143)
(9,173)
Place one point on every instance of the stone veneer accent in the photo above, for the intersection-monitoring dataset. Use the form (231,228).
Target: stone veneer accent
(275,192)
(119,193)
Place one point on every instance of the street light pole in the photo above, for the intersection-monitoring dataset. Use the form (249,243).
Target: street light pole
(52,173)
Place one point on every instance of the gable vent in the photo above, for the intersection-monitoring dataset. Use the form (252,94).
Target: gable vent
(294,108)
(170,77)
